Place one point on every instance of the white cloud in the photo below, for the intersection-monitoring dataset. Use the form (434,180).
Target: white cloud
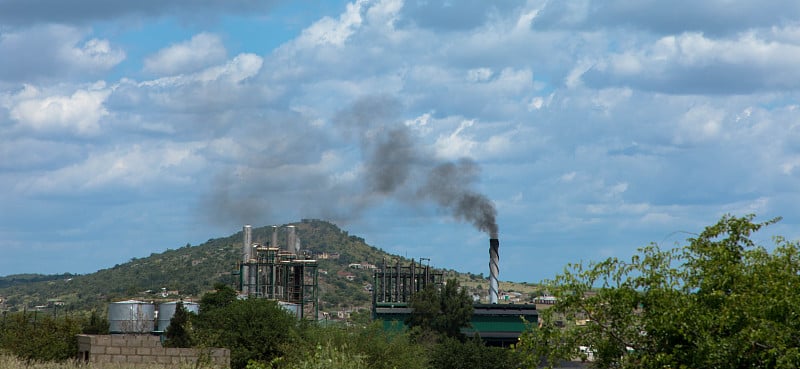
(456,144)
(692,62)
(328,31)
(201,51)
(79,113)
(134,167)
(55,52)
(96,53)
(479,74)
(699,123)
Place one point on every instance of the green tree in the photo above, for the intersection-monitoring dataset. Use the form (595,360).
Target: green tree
(371,344)
(96,324)
(40,337)
(253,329)
(177,333)
(472,353)
(222,296)
(444,311)
(721,301)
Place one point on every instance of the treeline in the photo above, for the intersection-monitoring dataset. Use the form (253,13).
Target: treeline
(37,336)
(263,335)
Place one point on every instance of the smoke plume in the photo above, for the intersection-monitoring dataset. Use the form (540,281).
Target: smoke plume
(393,158)
(393,164)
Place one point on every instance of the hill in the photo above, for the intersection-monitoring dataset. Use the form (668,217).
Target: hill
(189,271)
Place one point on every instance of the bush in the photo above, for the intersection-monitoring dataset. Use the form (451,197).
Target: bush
(372,345)
(253,329)
(40,337)
(473,354)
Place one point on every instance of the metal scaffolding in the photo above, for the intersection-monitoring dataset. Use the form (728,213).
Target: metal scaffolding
(276,274)
(396,284)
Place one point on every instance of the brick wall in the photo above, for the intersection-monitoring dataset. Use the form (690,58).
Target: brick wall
(145,349)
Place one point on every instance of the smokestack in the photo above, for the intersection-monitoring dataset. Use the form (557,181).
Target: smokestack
(290,239)
(247,232)
(494,269)
(274,242)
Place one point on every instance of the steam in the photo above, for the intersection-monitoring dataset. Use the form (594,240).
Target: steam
(393,165)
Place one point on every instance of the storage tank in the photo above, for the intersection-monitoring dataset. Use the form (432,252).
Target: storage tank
(166,311)
(131,316)
(291,307)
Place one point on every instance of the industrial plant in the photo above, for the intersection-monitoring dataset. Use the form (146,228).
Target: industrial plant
(279,273)
(497,324)
(279,270)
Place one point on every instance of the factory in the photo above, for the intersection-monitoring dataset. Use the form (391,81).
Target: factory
(279,272)
(497,324)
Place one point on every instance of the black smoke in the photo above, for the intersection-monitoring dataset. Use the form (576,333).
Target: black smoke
(394,165)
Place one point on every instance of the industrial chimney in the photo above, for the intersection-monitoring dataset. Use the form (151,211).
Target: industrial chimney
(274,236)
(291,239)
(494,269)
(247,232)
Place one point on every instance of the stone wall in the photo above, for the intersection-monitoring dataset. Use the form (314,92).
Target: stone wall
(145,349)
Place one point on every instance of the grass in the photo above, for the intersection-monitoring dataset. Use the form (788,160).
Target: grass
(12,362)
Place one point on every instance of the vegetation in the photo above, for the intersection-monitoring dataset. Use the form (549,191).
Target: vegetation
(443,311)
(40,337)
(177,333)
(253,329)
(452,353)
(192,270)
(721,301)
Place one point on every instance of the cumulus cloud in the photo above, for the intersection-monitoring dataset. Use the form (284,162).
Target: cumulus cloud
(124,168)
(712,17)
(588,128)
(201,51)
(50,52)
(694,63)
(79,113)
(329,31)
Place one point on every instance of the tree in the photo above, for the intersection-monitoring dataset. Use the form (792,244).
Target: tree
(96,324)
(253,329)
(177,333)
(372,345)
(721,301)
(222,296)
(473,354)
(444,311)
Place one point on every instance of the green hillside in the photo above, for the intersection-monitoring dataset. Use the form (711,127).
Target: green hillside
(192,270)
(189,271)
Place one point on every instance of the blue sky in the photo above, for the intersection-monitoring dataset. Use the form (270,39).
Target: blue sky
(591,127)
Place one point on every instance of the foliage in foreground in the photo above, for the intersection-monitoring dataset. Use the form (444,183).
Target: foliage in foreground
(34,336)
(253,329)
(370,345)
(721,301)
(443,311)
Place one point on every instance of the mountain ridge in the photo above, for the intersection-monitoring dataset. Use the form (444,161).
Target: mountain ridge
(189,271)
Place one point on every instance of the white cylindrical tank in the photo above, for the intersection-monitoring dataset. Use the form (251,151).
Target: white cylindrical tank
(131,316)
(166,311)
(291,307)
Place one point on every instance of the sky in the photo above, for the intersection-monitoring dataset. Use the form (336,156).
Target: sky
(577,129)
